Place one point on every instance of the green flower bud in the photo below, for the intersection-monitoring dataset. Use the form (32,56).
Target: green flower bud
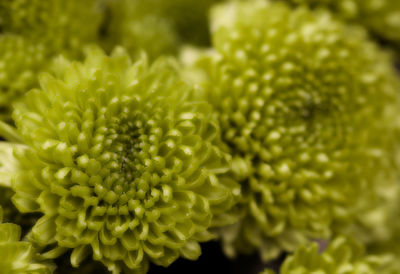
(121,163)
(342,256)
(380,17)
(19,257)
(308,108)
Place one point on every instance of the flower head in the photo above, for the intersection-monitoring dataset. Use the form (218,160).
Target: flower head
(308,108)
(121,163)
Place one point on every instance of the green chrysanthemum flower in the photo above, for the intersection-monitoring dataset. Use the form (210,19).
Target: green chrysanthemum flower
(381,17)
(61,25)
(121,163)
(18,257)
(308,108)
(342,256)
(20,61)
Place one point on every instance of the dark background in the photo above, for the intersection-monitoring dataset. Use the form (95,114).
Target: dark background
(212,261)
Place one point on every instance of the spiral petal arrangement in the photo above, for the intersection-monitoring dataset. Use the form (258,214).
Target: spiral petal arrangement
(122,164)
(308,108)
(380,17)
(18,257)
(343,255)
